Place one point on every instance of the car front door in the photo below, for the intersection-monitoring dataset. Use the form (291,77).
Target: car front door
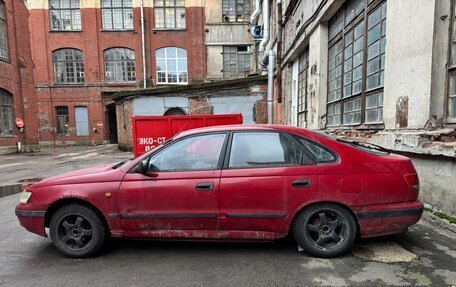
(266,175)
(179,190)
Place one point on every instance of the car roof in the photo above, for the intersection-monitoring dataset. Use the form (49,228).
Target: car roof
(223,128)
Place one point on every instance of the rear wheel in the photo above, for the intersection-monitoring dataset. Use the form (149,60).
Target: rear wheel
(325,230)
(77,231)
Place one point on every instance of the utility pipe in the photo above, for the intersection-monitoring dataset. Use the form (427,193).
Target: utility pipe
(256,13)
(279,51)
(271,66)
(143,46)
(266,29)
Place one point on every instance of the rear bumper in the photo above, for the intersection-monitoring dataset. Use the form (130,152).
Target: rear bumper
(385,219)
(32,220)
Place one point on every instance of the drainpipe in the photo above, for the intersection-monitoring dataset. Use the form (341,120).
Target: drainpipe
(255,14)
(271,66)
(279,51)
(266,35)
(143,46)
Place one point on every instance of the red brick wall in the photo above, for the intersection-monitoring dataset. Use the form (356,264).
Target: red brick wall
(93,41)
(16,76)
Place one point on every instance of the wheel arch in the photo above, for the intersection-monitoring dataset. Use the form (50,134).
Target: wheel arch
(300,209)
(52,209)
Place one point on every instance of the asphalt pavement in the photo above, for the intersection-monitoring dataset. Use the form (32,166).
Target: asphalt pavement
(425,255)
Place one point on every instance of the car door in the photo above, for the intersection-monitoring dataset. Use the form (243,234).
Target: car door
(179,191)
(265,176)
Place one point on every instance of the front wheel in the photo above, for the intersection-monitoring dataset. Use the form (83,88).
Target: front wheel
(325,230)
(77,231)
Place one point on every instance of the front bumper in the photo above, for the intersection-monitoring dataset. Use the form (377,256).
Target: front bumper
(385,219)
(31,219)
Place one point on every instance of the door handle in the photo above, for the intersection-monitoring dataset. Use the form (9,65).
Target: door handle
(205,186)
(301,183)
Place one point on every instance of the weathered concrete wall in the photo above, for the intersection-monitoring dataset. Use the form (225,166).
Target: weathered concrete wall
(439,194)
(408,64)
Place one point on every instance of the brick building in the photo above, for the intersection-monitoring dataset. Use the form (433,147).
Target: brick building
(85,50)
(17,92)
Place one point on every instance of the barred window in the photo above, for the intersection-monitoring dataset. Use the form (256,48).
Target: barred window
(169,14)
(236,61)
(68,66)
(3,33)
(302,89)
(120,65)
(236,10)
(65,15)
(356,75)
(117,14)
(63,120)
(6,113)
(171,65)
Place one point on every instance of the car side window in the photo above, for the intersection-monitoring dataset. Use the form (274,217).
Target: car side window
(263,149)
(194,153)
(321,154)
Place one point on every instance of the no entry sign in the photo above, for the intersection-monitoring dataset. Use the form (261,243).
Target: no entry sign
(19,123)
(100,125)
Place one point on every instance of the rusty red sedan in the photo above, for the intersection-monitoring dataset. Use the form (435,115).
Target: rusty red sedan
(231,183)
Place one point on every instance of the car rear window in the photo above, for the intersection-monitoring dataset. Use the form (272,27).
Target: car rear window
(366,147)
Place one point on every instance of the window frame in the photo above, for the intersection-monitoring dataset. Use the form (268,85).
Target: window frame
(164,8)
(165,59)
(111,8)
(4,23)
(302,107)
(10,107)
(169,144)
(227,13)
(341,36)
(237,53)
(124,65)
(451,70)
(74,67)
(71,9)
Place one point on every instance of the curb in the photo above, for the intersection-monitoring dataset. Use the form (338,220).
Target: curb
(438,222)
(10,189)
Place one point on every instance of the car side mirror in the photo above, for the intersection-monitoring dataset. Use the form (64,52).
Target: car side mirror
(143,166)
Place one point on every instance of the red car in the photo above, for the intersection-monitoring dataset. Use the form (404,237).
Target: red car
(231,183)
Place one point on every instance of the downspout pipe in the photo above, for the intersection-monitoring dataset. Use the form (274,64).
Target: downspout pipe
(279,51)
(271,67)
(255,13)
(143,46)
(266,30)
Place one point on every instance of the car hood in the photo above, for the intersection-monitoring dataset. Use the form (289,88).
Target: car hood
(91,174)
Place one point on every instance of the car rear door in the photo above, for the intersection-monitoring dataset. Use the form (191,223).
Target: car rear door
(181,189)
(266,176)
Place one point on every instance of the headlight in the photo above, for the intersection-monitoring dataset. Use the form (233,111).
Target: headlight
(25,196)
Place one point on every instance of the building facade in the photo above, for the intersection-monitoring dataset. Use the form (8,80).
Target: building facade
(86,50)
(17,92)
(378,71)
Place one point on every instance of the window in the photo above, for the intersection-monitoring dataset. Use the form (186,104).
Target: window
(68,66)
(236,10)
(6,113)
(171,65)
(63,120)
(82,121)
(321,154)
(302,89)
(120,65)
(65,15)
(356,75)
(3,32)
(236,61)
(194,153)
(253,150)
(452,69)
(169,14)
(117,14)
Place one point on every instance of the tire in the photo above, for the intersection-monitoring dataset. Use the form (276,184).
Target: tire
(77,231)
(325,230)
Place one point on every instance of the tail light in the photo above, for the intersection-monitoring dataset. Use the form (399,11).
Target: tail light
(411,179)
